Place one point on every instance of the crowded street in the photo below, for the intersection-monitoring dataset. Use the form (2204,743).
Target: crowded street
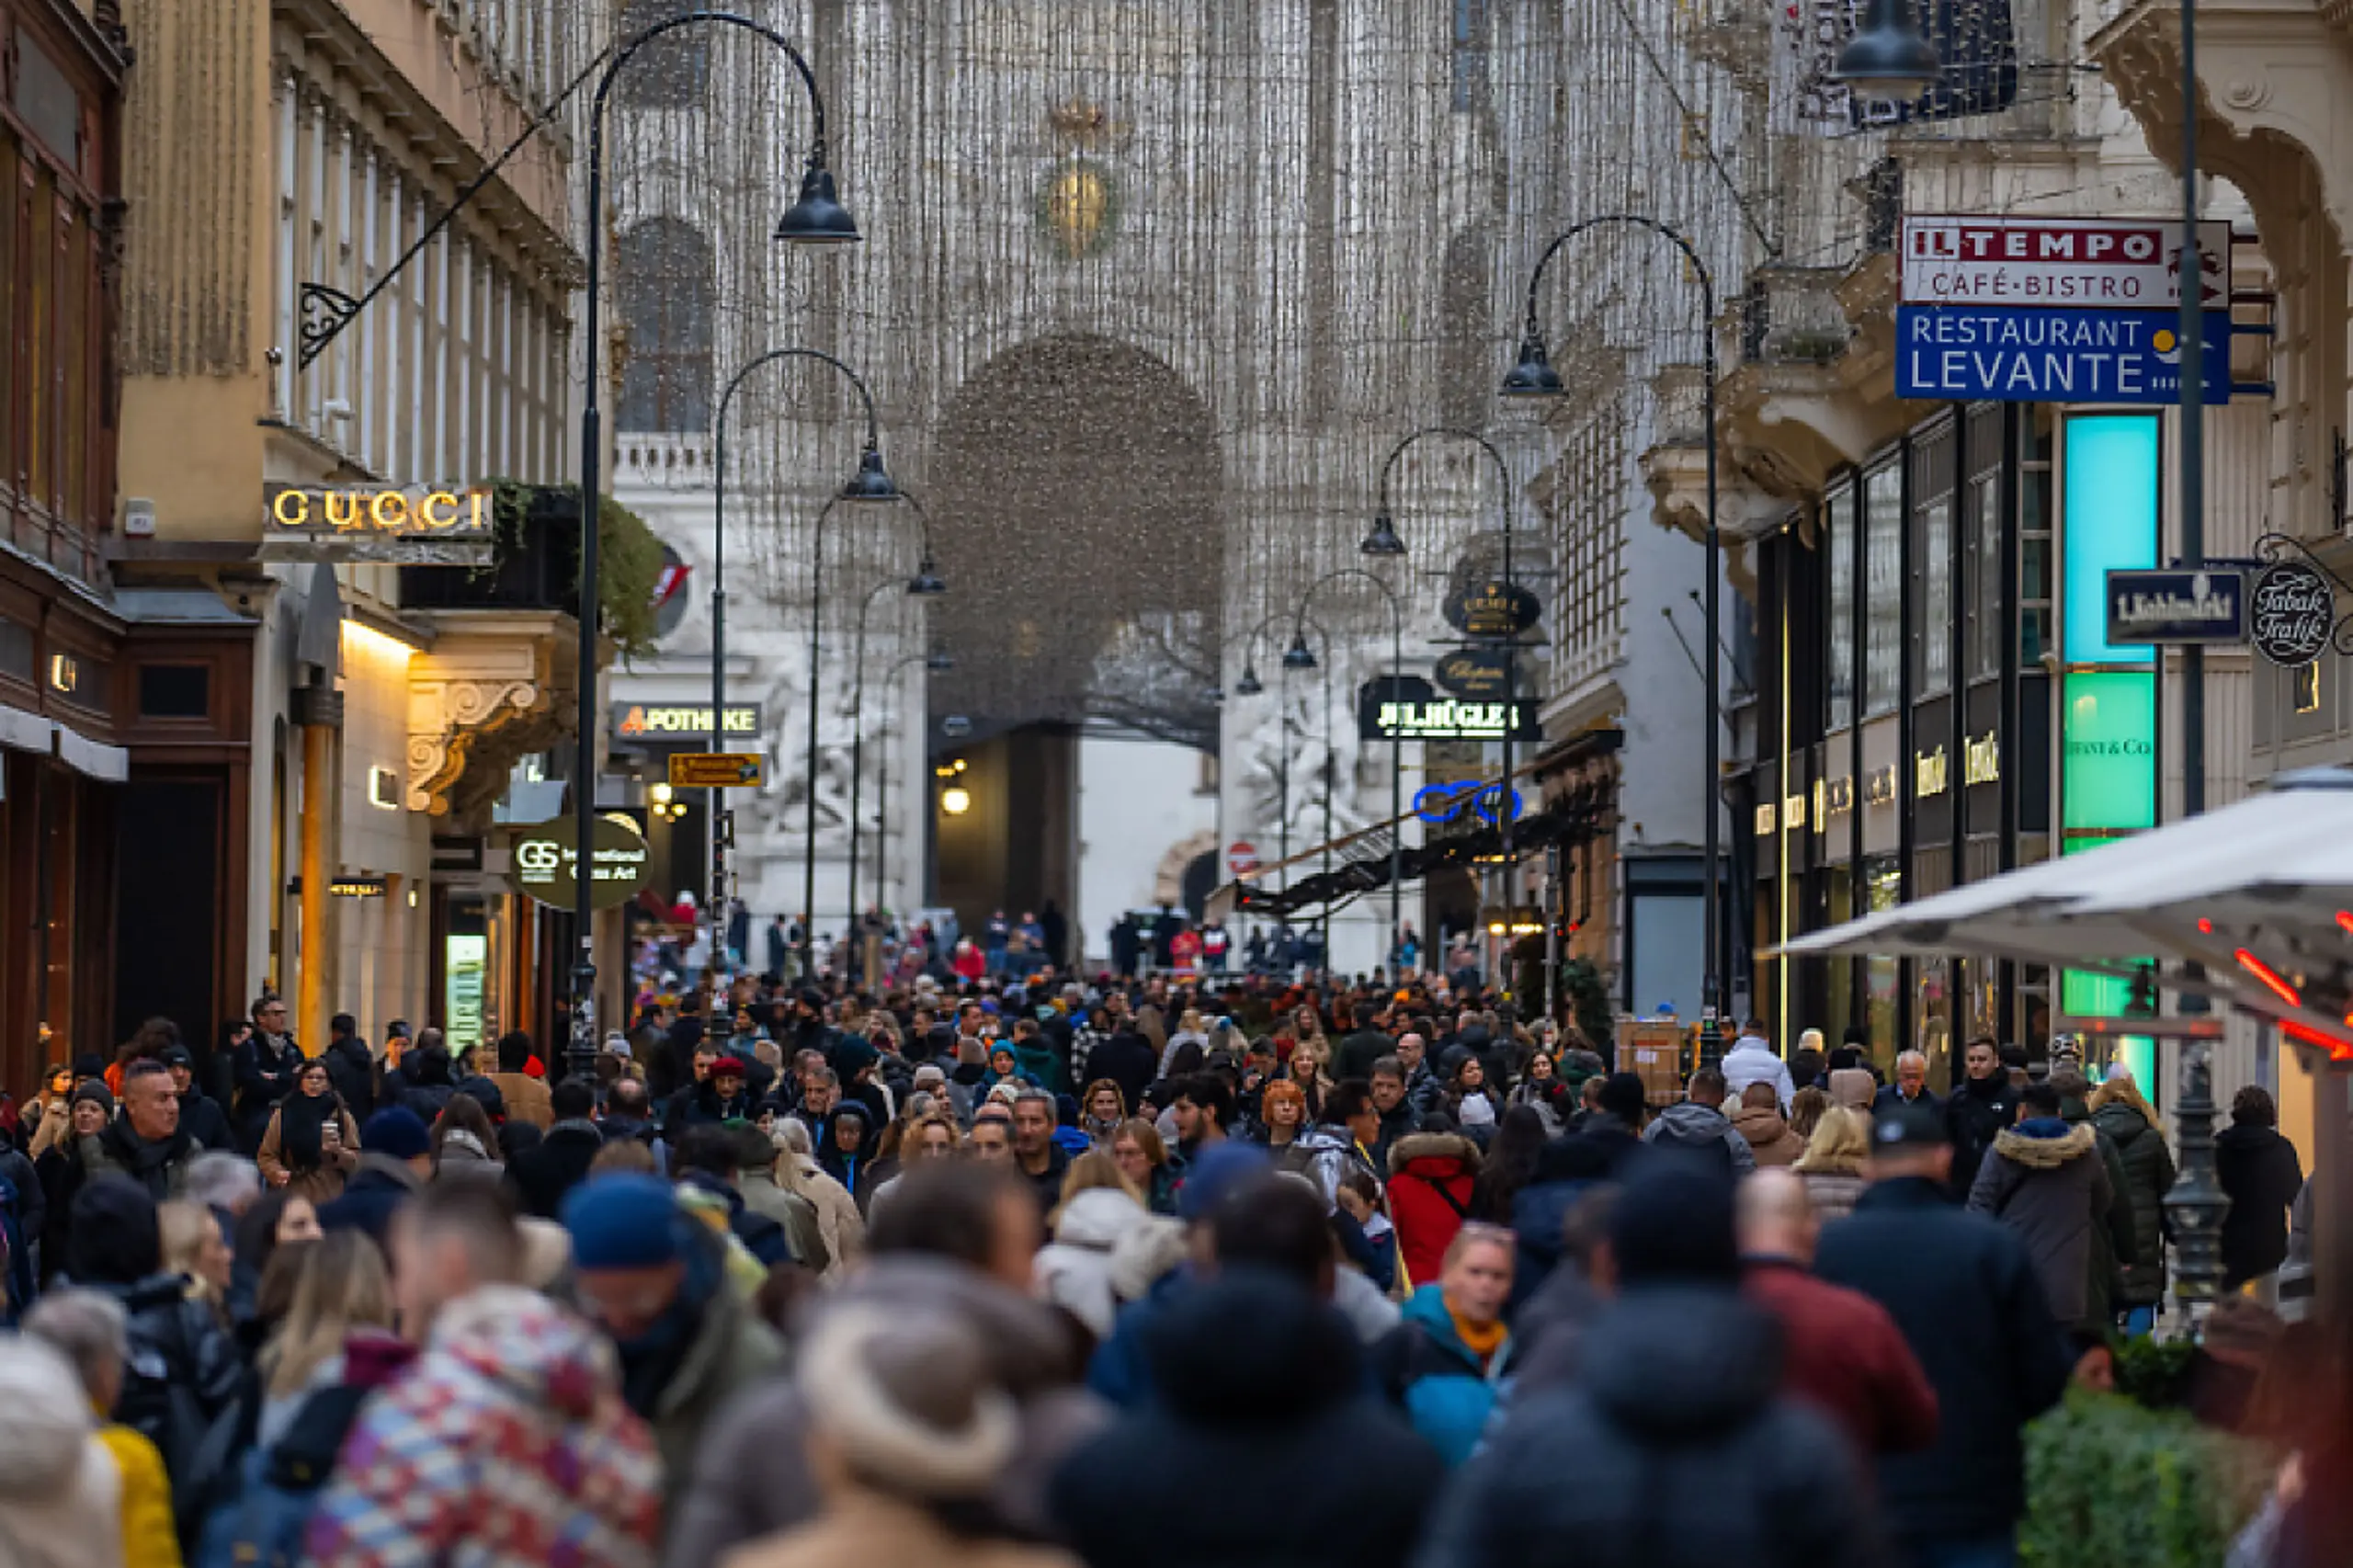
(1212,783)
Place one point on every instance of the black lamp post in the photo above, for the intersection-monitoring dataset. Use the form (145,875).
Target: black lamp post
(870,484)
(938,662)
(1887,58)
(1396,742)
(1301,658)
(1250,686)
(816,218)
(1382,540)
(926,582)
(1533,376)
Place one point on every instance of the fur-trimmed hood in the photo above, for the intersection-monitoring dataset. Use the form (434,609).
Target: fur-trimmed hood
(2045,1143)
(1434,1146)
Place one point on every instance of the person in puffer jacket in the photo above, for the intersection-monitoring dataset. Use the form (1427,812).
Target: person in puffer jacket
(1430,1178)
(507,1444)
(1076,1271)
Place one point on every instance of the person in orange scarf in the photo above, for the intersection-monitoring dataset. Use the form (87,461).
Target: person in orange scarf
(1445,1363)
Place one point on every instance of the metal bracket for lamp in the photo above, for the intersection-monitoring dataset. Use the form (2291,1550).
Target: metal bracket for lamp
(325,312)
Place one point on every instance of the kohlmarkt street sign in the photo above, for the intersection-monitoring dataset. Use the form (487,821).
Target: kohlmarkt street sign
(2293,612)
(2014,354)
(680,720)
(543,861)
(2176,606)
(2112,263)
(715,770)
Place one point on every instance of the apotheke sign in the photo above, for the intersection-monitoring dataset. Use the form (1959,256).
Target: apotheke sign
(680,720)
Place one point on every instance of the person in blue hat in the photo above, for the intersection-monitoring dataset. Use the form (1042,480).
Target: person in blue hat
(654,1279)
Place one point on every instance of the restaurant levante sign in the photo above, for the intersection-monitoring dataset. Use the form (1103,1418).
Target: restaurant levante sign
(418,525)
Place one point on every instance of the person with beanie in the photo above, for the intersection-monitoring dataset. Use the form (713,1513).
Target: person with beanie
(654,1279)
(909,1429)
(395,1159)
(1678,1398)
(61,1173)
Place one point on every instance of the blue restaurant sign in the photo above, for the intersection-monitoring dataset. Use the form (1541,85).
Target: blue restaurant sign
(2176,606)
(2040,354)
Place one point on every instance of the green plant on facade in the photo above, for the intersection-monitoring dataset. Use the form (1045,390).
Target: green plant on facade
(1589,1004)
(2113,1484)
(629,562)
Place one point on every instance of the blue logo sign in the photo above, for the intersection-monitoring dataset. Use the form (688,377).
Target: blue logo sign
(1441,803)
(2177,607)
(2029,354)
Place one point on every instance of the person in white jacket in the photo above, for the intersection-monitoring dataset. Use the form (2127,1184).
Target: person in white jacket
(1074,1271)
(1752,1060)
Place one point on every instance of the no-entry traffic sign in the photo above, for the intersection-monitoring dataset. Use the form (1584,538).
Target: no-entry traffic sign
(1241,857)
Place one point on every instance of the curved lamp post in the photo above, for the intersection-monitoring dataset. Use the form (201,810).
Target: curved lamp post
(1533,376)
(817,218)
(915,587)
(1251,686)
(927,582)
(1396,744)
(870,483)
(1382,539)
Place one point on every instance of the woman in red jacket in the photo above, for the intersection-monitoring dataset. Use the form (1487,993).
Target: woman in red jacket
(1430,1178)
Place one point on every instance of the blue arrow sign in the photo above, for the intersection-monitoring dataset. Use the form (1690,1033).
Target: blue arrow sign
(2032,353)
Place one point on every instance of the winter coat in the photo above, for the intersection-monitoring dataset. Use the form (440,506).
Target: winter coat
(1430,1179)
(1684,1452)
(1074,1271)
(60,1496)
(202,1119)
(867,1529)
(150,1538)
(544,1175)
(351,1072)
(1752,1060)
(506,1445)
(2148,1176)
(753,1479)
(1964,1291)
(1354,1057)
(838,1221)
(2046,1180)
(528,1098)
(1331,1154)
(1437,1379)
(1548,1099)
(375,1191)
(1274,1425)
(1129,1061)
(323,1183)
(176,1343)
(1977,1112)
(160,1167)
(1769,1135)
(795,1213)
(1398,1123)
(731,1351)
(1832,1188)
(1700,1128)
(2261,1175)
(264,1069)
(1842,1353)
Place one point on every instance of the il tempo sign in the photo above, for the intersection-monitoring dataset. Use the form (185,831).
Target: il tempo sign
(418,525)
(2122,264)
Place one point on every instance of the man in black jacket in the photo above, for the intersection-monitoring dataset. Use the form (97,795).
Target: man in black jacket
(2261,1175)
(1963,1290)
(1129,1061)
(1982,1106)
(202,1117)
(352,1067)
(266,1068)
(544,1174)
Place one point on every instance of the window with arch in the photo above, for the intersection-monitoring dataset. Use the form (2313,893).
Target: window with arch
(668,279)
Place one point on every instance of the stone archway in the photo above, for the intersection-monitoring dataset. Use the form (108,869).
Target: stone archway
(1075,490)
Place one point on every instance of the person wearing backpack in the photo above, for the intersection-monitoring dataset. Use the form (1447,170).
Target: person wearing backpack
(187,1390)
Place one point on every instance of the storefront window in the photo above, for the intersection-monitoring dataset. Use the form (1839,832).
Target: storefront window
(1840,997)
(1932,1004)
(1980,521)
(2034,549)
(1884,884)
(1932,482)
(1883,580)
(1839,540)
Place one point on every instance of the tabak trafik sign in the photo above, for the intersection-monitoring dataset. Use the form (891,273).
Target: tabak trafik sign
(412,525)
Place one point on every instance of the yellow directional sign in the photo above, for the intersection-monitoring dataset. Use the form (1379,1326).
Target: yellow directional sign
(715,770)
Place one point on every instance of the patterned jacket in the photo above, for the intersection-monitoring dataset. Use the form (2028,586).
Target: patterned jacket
(505,1445)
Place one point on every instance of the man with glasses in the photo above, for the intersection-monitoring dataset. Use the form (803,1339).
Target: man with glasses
(266,1067)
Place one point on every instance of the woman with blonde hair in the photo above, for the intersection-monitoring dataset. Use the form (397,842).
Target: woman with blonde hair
(1090,1171)
(193,1245)
(1308,1067)
(339,1292)
(1100,1111)
(1806,1108)
(1099,1206)
(1143,1159)
(2118,1110)
(1832,1165)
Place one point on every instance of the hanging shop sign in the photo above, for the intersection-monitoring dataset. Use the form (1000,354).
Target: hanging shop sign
(2071,354)
(681,721)
(1492,609)
(1439,804)
(2116,263)
(544,861)
(2292,613)
(2207,606)
(1409,710)
(1477,674)
(418,525)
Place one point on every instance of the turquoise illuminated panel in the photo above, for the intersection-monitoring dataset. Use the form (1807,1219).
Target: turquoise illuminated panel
(2110,518)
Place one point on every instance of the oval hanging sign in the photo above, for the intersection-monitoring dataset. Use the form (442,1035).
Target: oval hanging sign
(1492,609)
(544,859)
(2291,613)
(1476,675)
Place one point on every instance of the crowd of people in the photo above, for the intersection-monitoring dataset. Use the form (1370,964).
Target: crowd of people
(1025,1271)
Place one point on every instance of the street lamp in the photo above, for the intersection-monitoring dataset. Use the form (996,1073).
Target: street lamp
(1533,376)
(1298,656)
(1382,540)
(1887,59)
(927,582)
(870,484)
(1397,743)
(1250,686)
(1381,525)
(938,662)
(816,218)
